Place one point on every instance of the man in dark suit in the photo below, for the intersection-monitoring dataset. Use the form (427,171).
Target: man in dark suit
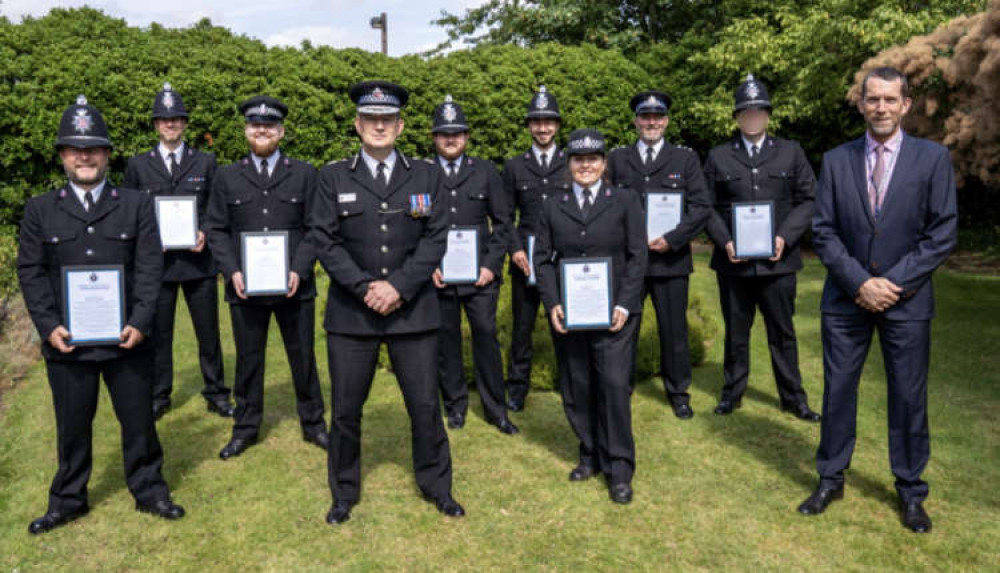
(594,219)
(472,194)
(753,167)
(90,222)
(380,232)
(175,169)
(886,218)
(267,191)
(653,167)
(530,179)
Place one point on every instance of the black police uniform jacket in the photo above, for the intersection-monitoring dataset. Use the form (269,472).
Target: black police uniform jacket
(56,231)
(474,197)
(528,187)
(614,228)
(780,173)
(364,233)
(146,172)
(675,169)
(239,202)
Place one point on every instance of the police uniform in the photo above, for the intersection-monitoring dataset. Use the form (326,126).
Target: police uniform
(190,173)
(670,169)
(472,195)
(596,364)
(243,199)
(117,228)
(778,172)
(372,224)
(528,185)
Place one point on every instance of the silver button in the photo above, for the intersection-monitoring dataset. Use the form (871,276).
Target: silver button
(237,201)
(675,186)
(646,178)
(385,228)
(385,271)
(754,170)
(756,187)
(454,210)
(265,192)
(123,236)
(454,226)
(545,181)
(544,196)
(265,229)
(90,252)
(55,239)
(385,249)
(295,199)
(90,230)
(343,213)
(264,210)
(583,233)
(384,205)
(453,192)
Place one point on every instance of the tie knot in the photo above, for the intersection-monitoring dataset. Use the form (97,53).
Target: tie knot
(587,193)
(171,155)
(381,167)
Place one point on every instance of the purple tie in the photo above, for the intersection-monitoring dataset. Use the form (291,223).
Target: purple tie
(878,173)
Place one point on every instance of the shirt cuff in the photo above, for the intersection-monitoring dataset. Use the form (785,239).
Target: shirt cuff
(623,309)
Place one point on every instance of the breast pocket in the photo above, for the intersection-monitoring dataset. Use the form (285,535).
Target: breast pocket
(780,184)
(293,206)
(241,210)
(120,242)
(729,187)
(58,242)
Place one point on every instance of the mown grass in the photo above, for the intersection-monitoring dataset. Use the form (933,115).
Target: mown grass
(711,493)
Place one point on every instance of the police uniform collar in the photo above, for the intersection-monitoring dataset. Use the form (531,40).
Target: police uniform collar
(272,160)
(95,192)
(458,161)
(657,148)
(178,153)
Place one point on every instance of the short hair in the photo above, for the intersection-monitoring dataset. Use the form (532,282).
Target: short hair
(888,74)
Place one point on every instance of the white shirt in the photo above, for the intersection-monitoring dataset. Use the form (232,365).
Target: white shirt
(95,192)
(372,163)
(642,146)
(178,154)
(549,153)
(457,161)
(749,144)
(594,189)
(272,161)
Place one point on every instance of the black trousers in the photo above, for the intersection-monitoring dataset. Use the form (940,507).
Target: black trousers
(774,295)
(905,351)
(296,320)
(596,393)
(525,301)
(352,368)
(670,301)
(75,387)
(481,310)
(202,296)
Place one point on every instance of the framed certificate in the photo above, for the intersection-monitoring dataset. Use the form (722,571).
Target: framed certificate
(663,213)
(460,264)
(265,262)
(753,230)
(94,303)
(587,293)
(532,279)
(177,218)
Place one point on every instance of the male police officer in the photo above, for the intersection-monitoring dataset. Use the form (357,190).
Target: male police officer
(472,192)
(90,222)
(754,166)
(380,232)
(655,168)
(529,179)
(171,169)
(267,191)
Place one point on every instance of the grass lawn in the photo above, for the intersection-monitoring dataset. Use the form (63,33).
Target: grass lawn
(710,493)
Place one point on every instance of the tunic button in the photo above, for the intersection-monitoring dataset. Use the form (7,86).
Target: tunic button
(384,227)
(55,239)
(385,249)
(385,271)
(583,233)
(454,226)
(544,196)
(756,187)
(265,192)
(90,252)
(646,178)
(385,205)
(545,181)
(454,210)
(754,170)
(265,229)
(675,186)
(343,213)
(90,230)
(453,192)
(237,201)
(264,211)
(123,236)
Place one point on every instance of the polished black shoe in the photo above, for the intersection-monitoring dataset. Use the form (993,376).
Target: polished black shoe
(236,447)
(914,517)
(507,427)
(621,493)
(727,406)
(816,503)
(163,508)
(54,519)
(515,403)
(159,409)
(448,506)
(339,513)
(801,411)
(221,407)
(581,473)
(683,411)
(320,439)
(456,421)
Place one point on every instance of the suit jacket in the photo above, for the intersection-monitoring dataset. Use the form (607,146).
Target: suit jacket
(675,169)
(240,202)
(528,188)
(614,228)
(56,231)
(363,233)
(475,197)
(780,173)
(146,172)
(916,229)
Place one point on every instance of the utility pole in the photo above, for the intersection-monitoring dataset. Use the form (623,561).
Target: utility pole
(381,22)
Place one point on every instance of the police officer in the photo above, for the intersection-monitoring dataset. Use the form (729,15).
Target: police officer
(755,166)
(169,169)
(267,191)
(380,233)
(595,219)
(529,179)
(472,194)
(90,222)
(652,165)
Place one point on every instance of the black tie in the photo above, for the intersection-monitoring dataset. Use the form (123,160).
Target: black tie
(587,202)
(545,161)
(649,156)
(173,163)
(753,151)
(380,175)
(451,169)
(265,177)
(88,201)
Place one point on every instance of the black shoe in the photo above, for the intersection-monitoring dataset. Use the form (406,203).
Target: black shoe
(727,406)
(236,447)
(339,513)
(581,473)
(801,411)
(824,495)
(683,411)
(448,506)
(54,519)
(320,439)
(159,409)
(163,508)
(516,401)
(914,517)
(221,407)
(456,421)
(621,493)
(507,427)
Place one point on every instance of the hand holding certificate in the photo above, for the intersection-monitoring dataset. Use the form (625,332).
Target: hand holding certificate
(663,213)
(94,304)
(265,263)
(753,230)
(177,219)
(460,264)
(587,293)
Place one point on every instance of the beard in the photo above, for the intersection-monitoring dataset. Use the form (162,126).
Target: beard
(263,149)
(75,177)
